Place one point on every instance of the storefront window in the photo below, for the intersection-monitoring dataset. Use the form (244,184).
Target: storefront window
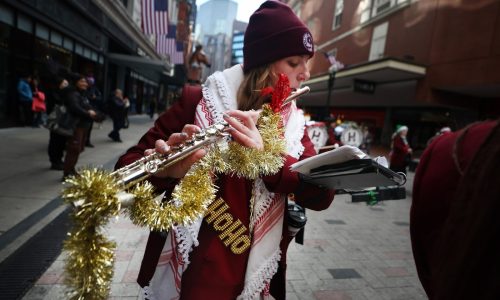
(56,38)
(78,49)
(4,36)
(68,43)
(86,52)
(6,15)
(42,31)
(24,23)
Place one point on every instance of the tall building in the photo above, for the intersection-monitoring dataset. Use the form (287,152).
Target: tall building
(237,48)
(239,29)
(423,63)
(214,30)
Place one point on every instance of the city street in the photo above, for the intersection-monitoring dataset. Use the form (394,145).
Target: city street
(351,250)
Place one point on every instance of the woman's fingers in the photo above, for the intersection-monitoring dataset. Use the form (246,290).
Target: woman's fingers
(148,152)
(244,140)
(180,137)
(243,128)
(240,119)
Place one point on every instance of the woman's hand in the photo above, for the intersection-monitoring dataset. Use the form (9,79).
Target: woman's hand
(180,168)
(243,128)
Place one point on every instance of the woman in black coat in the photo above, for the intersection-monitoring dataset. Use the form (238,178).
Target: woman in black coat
(79,107)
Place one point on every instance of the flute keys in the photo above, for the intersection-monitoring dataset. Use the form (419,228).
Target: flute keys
(211,131)
(220,127)
(151,167)
(200,136)
(178,147)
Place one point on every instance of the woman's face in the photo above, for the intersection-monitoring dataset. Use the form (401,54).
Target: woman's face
(295,67)
(82,84)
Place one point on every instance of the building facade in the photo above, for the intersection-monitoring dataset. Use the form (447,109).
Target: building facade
(422,63)
(99,38)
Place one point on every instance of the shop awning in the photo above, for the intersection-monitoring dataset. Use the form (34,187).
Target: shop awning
(147,67)
(384,82)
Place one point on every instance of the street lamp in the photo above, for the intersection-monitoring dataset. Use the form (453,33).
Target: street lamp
(332,71)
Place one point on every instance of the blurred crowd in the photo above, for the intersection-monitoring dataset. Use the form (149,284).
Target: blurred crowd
(69,111)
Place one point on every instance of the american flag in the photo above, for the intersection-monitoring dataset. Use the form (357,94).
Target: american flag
(155,16)
(167,44)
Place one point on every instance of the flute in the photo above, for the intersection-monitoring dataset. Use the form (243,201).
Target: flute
(147,166)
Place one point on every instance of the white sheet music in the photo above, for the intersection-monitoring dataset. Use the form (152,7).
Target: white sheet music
(341,154)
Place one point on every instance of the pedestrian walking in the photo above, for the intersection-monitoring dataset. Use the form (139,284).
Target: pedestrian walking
(217,269)
(25,96)
(79,107)
(57,142)
(95,99)
(38,106)
(116,110)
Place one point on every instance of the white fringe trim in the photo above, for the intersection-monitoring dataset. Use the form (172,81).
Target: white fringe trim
(186,238)
(147,293)
(259,279)
(263,199)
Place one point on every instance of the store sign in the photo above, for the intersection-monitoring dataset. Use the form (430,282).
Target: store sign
(364,86)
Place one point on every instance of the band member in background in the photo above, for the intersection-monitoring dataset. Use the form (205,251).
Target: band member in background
(454,222)
(400,150)
(214,270)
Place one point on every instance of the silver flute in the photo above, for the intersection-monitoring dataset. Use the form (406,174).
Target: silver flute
(143,168)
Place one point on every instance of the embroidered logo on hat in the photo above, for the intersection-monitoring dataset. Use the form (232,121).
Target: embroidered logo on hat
(307,40)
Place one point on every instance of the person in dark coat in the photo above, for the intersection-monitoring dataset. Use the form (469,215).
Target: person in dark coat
(79,107)
(117,112)
(57,142)
(454,222)
(95,98)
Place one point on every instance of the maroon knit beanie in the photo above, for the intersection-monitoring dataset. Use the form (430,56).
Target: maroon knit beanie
(274,32)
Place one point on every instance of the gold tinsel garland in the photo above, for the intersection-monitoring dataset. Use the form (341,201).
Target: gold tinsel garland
(190,199)
(89,267)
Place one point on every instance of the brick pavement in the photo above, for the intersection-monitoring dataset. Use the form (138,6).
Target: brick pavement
(351,251)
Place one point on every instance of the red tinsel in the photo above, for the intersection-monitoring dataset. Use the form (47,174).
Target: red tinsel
(279,93)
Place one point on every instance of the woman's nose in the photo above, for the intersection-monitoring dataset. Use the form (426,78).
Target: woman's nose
(304,75)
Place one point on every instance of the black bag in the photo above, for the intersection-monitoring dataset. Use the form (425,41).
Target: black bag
(61,121)
(296,218)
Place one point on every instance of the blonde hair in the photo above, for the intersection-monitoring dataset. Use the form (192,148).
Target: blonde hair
(253,82)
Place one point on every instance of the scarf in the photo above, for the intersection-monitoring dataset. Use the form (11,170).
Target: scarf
(266,223)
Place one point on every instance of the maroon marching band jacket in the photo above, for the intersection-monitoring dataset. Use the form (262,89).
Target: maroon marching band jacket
(435,184)
(214,270)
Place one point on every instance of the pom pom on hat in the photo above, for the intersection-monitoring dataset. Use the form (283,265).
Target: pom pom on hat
(274,32)
(401,128)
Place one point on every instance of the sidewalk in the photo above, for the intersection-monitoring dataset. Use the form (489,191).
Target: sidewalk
(30,190)
(351,251)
